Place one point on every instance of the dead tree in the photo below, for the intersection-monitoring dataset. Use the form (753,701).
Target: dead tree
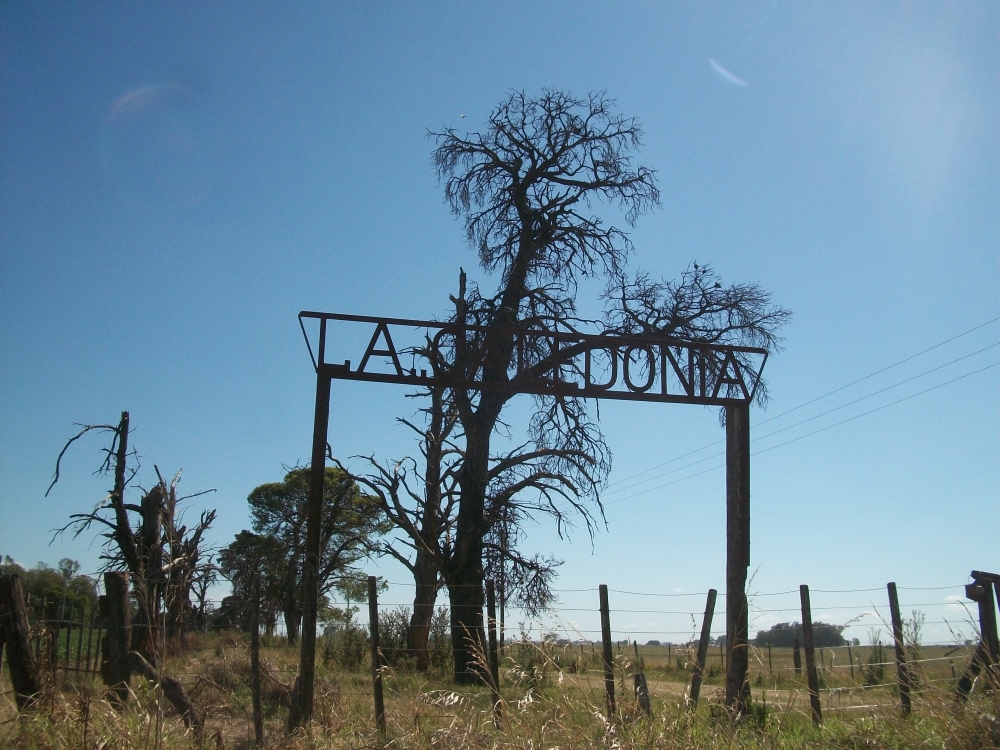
(524,187)
(143,538)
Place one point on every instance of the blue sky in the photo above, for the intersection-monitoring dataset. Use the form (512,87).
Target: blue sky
(178,180)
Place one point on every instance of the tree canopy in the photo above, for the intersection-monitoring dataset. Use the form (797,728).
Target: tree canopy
(782,635)
(275,550)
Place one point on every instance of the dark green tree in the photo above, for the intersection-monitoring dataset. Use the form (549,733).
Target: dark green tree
(63,589)
(248,560)
(782,635)
(351,524)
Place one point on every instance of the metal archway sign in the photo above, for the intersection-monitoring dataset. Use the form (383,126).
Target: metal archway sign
(628,368)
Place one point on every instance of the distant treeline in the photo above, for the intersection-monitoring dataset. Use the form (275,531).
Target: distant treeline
(784,633)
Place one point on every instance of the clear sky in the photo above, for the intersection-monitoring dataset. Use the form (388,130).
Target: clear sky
(178,180)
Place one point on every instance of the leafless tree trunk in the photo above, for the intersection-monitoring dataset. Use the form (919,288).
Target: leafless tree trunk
(14,629)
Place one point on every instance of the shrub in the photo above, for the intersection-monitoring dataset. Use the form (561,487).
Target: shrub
(874,670)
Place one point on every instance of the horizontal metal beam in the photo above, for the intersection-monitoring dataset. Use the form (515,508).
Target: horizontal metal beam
(554,363)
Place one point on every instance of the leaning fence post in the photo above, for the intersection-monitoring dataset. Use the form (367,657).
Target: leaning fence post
(115,668)
(699,667)
(902,671)
(14,630)
(807,637)
(609,659)
(494,657)
(376,654)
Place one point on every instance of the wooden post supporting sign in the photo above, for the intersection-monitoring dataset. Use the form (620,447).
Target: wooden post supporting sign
(302,712)
(737,554)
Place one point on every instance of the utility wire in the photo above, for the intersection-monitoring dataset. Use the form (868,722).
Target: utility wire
(812,401)
(800,437)
(808,419)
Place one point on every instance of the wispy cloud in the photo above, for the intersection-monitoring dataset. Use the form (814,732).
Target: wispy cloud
(726,75)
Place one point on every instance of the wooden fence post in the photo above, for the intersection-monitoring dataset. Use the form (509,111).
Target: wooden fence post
(376,654)
(258,719)
(14,630)
(115,664)
(986,652)
(699,667)
(90,639)
(988,613)
(850,659)
(902,671)
(609,659)
(639,683)
(79,641)
(796,656)
(807,637)
(494,656)
(69,637)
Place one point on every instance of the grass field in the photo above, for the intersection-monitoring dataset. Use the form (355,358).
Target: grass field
(553,698)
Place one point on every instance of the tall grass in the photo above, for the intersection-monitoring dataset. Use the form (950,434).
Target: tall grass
(552,698)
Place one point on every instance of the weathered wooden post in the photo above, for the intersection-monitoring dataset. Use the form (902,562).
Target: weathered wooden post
(699,667)
(258,719)
(494,656)
(770,666)
(115,668)
(796,656)
(376,654)
(14,631)
(301,713)
(986,654)
(639,683)
(609,658)
(172,690)
(807,637)
(90,638)
(902,672)
(737,554)
(79,642)
(988,612)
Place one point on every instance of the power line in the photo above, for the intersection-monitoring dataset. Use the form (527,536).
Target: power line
(875,393)
(880,408)
(807,403)
(800,437)
(808,419)
(879,372)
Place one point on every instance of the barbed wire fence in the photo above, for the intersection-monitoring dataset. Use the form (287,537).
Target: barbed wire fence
(651,632)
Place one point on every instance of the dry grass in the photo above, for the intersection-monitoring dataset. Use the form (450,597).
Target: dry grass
(552,700)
